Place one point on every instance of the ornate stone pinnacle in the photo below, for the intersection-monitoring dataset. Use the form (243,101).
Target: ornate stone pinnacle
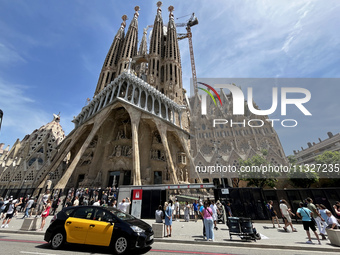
(124,18)
(137,8)
(159,4)
(171,9)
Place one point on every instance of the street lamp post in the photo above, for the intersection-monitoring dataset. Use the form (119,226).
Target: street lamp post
(1,114)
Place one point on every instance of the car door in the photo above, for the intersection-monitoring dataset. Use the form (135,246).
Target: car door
(77,225)
(100,230)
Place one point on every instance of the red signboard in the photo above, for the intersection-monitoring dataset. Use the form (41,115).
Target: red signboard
(137,194)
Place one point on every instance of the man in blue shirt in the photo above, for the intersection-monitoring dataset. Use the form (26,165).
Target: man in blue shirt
(306,215)
(195,205)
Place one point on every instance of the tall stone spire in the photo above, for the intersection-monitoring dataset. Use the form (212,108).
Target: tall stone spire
(141,67)
(143,47)
(130,45)
(109,69)
(156,51)
(172,63)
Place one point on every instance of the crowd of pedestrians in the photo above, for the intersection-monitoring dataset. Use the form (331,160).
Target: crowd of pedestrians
(208,211)
(313,216)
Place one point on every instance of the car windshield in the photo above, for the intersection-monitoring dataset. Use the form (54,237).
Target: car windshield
(121,215)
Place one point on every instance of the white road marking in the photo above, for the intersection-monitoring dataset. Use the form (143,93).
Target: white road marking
(37,253)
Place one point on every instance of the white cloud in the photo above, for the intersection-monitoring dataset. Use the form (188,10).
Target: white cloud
(21,116)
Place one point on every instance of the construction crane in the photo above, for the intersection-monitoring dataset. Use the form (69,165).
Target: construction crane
(191,22)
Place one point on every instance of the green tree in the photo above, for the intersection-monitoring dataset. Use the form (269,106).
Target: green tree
(302,177)
(258,179)
(329,163)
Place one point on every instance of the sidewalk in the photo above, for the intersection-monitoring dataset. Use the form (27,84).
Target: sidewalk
(191,232)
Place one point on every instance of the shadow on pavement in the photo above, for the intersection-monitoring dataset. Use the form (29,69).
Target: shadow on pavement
(91,249)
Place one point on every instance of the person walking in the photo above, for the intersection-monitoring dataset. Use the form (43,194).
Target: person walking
(273,213)
(9,210)
(168,218)
(159,215)
(316,215)
(286,212)
(208,222)
(2,206)
(322,210)
(214,209)
(28,207)
(195,206)
(176,210)
(186,212)
(306,215)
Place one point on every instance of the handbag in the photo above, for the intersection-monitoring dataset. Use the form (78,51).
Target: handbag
(311,218)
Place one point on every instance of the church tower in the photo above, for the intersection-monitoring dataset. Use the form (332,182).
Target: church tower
(109,69)
(172,63)
(129,49)
(156,52)
(135,129)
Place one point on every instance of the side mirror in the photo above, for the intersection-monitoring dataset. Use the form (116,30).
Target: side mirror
(111,221)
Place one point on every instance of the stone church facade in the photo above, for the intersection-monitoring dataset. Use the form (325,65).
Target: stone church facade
(135,130)
(26,164)
(226,144)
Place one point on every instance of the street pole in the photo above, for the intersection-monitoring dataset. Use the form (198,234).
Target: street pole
(1,114)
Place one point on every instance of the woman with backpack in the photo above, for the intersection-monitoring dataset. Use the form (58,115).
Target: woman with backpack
(208,222)
(9,210)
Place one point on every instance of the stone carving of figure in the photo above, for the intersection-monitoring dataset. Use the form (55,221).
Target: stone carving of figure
(181,174)
(186,175)
(162,156)
(118,151)
(129,151)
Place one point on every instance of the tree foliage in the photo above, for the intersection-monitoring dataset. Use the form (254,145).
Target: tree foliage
(258,179)
(330,164)
(301,177)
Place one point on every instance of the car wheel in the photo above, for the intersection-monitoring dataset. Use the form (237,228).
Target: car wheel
(120,245)
(57,240)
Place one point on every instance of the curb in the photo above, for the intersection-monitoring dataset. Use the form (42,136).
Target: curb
(322,248)
(32,232)
(252,245)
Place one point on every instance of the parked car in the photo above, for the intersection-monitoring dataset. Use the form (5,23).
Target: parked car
(103,226)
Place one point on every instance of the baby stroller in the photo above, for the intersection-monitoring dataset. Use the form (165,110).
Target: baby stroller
(242,227)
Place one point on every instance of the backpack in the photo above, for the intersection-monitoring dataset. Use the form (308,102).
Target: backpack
(7,207)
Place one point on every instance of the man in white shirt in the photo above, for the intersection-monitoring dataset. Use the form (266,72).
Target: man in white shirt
(124,205)
(96,203)
(176,209)
(214,209)
(76,202)
(286,212)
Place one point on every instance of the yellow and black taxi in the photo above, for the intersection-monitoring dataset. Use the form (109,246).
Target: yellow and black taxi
(95,225)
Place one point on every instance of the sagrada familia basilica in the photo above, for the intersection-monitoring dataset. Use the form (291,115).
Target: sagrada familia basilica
(136,129)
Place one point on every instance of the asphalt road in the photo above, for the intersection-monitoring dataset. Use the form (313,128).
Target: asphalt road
(14,244)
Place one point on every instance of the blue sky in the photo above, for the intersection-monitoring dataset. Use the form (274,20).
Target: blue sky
(51,54)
